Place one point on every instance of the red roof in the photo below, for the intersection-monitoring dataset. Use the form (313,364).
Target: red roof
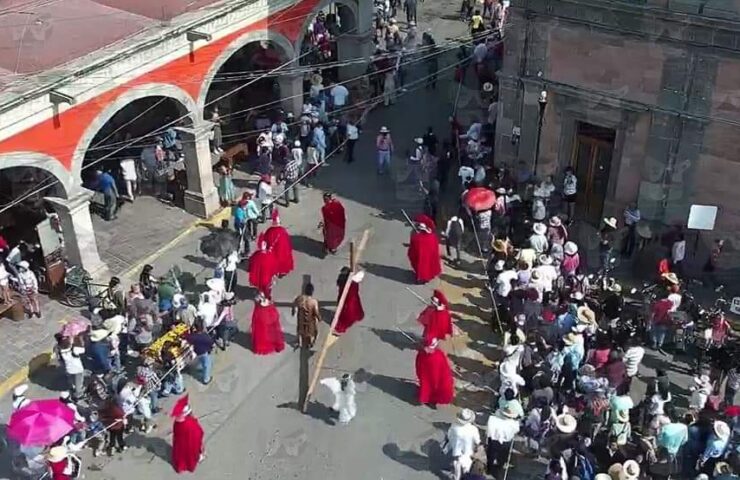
(38,35)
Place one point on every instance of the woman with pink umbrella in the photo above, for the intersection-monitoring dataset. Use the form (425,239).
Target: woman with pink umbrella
(41,423)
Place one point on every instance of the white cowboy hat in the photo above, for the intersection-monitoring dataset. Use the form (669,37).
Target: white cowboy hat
(64,395)
(384,129)
(20,390)
(570,248)
(465,416)
(644,231)
(602,476)
(114,324)
(702,380)
(98,335)
(555,221)
(721,429)
(229,296)
(566,423)
(539,228)
(616,288)
(419,140)
(297,143)
(630,470)
(216,284)
(545,259)
(488,87)
(501,191)
(611,221)
(586,315)
(577,296)
(24,264)
(57,454)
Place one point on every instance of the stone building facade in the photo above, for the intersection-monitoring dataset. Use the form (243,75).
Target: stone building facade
(643,101)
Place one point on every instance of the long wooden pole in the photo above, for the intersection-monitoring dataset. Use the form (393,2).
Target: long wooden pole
(328,341)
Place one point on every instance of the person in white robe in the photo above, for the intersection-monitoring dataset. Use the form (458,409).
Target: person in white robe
(344,391)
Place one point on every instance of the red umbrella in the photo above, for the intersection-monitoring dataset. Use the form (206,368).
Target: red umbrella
(41,422)
(480,198)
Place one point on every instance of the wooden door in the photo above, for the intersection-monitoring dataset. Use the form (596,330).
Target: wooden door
(592,161)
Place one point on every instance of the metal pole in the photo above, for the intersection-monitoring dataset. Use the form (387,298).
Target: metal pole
(539,134)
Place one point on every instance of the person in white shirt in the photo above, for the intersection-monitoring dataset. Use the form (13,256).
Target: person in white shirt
(678,254)
(631,219)
(130,178)
(500,432)
(473,132)
(504,279)
(339,95)
(538,239)
(461,441)
(353,134)
(547,272)
(632,358)
(453,236)
(570,190)
(71,357)
(207,310)
(466,175)
(5,294)
(264,196)
(297,153)
(29,287)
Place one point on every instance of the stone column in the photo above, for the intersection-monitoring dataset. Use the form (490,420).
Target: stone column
(357,43)
(201,197)
(291,93)
(79,237)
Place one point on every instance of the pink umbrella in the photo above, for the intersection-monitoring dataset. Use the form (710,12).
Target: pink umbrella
(75,326)
(41,422)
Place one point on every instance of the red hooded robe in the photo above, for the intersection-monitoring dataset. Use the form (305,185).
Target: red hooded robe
(267,334)
(262,270)
(335,221)
(352,312)
(424,256)
(278,242)
(436,383)
(437,322)
(187,438)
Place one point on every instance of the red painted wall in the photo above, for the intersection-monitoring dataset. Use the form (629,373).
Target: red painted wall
(59,137)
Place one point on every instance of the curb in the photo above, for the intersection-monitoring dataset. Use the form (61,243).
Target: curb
(43,359)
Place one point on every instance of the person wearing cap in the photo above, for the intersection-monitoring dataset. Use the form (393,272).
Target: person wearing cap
(188,447)
(384,146)
(501,429)
(547,272)
(28,285)
(715,447)
(434,374)
(19,397)
(423,254)
(461,441)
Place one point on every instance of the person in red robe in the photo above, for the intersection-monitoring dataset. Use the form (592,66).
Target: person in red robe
(436,318)
(423,254)
(278,242)
(352,311)
(333,223)
(426,220)
(188,449)
(262,268)
(436,383)
(267,334)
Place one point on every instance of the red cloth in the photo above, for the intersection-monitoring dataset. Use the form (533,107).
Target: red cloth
(335,221)
(267,334)
(352,311)
(278,242)
(424,256)
(187,444)
(57,470)
(661,312)
(262,269)
(664,266)
(437,323)
(436,384)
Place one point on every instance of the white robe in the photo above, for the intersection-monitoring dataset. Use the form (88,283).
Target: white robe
(344,400)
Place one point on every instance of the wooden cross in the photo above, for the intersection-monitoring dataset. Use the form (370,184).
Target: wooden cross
(355,255)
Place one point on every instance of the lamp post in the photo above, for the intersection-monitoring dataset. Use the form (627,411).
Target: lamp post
(542,103)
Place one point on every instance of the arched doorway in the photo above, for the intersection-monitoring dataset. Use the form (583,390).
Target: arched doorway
(152,132)
(246,97)
(326,38)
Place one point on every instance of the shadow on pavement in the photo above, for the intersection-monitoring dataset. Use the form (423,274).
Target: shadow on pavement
(316,410)
(310,246)
(402,389)
(394,338)
(49,378)
(204,262)
(431,458)
(390,272)
(155,445)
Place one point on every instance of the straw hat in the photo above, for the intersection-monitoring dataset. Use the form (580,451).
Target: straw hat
(545,259)
(98,335)
(555,221)
(566,423)
(644,231)
(610,221)
(615,471)
(721,429)
(623,416)
(539,228)
(602,476)
(671,277)
(57,454)
(24,265)
(570,339)
(499,245)
(586,315)
(588,370)
(465,416)
(630,470)
(570,248)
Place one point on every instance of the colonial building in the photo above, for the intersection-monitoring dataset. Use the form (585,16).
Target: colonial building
(71,66)
(642,99)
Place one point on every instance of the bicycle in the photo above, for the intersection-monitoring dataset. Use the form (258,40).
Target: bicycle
(80,291)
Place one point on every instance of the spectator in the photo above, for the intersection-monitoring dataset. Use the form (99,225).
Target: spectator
(202,344)
(106,184)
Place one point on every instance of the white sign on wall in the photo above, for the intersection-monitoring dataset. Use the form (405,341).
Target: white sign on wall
(702,217)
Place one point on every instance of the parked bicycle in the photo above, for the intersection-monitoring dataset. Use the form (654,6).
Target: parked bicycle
(80,290)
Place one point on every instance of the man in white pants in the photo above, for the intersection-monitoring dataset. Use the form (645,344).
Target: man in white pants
(462,440)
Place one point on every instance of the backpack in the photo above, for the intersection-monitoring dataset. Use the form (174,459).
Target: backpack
(582,467)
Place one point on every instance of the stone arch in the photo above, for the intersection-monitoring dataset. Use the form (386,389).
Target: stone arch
(43,162)
(352,5)
(235,46)
(123,100)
